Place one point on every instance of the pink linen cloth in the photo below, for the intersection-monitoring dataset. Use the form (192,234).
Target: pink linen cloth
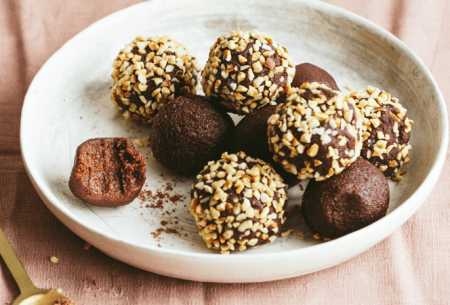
(412,266)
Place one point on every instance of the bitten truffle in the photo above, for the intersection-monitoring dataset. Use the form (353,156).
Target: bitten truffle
(188,132)
(149,72)
(250,136)
(316,133)
(247,70)
(386,130)
(346,202)
(238,203)
(107,172)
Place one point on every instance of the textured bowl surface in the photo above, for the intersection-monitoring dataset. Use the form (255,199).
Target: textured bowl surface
(68,102)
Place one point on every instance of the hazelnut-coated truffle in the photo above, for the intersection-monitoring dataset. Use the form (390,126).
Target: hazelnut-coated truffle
(316,133)
(386,130)
(238,203)
(247,70)
(148,73)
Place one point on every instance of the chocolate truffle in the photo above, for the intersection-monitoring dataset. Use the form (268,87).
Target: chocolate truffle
(247,70)
(309,73)
(316,133)
(238,203)
(107,172)
(188,132)
(250,136)
(346,202)
(386,130)
(149,72)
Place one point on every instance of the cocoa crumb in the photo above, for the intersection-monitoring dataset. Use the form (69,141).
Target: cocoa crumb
(176,198)
(160,194)
(158,205)
(156,235)
(91,281)
(168,231)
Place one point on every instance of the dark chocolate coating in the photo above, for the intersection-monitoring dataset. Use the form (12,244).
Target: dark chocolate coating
(107,172)
(309,73)
(250,136)
(346,202)
(189,132)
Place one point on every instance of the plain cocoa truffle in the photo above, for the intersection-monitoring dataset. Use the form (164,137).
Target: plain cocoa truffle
(149,72)
(250,136)
(386,130)
(316,133)
(309,73)
(247,70)
(238,203)
(107,172)
(346,202)
(189,132)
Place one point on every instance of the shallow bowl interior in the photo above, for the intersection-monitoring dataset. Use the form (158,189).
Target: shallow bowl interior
(68,103)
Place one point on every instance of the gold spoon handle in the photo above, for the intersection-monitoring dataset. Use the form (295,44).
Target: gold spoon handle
(14,265)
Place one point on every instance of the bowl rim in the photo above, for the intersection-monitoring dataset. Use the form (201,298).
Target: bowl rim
(398,216)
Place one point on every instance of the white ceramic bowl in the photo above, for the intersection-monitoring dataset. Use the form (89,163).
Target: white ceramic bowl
(68,103)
